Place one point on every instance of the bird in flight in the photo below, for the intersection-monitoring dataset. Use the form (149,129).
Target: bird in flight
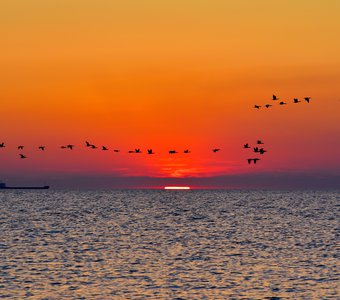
(216,150)
(262,151)
(246,146)
(268,105)
(307,99)
(252,159)
(172,152)
(22,156)
(135,151)
(42,148)
(2,145)
(21,147)
(115,150)
(104,148)
(275,98)
(259,142)
(283,103)
(91,145)
(256,149)
(150,151)
(186,151)
(257,106)
(296,100)
(67,147)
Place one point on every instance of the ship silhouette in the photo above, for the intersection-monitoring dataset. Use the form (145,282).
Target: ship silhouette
(3,186)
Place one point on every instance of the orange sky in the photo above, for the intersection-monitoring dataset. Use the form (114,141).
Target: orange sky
(169,75)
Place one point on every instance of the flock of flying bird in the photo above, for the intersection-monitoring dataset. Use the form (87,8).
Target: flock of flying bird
(261,150)
(256,149)
(103,148)
(274,98)
(149,151)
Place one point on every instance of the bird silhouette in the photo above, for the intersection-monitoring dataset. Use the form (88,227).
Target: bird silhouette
(268,105)
(173,152)
(88,144)
(186,151)
(131,151)
(21,147)
(22,156)
(138,151)
(116,150)
(257,106)
(296,100)
(216,150)
(150,151)
(93,147)
(246,146)
(262,151)
(307,99)
(252,159)
(259,142)
(2,145)
(67,147)
(283,103)
(104,148)
(256,149)
(42,148)
(275,98)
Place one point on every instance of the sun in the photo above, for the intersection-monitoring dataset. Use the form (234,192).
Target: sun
(177,187)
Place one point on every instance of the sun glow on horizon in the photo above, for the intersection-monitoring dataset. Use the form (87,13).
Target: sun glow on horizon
(177,187)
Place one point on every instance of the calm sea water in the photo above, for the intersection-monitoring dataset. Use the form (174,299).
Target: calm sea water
(169,245)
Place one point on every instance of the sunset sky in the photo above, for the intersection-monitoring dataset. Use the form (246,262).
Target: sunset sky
(179,74)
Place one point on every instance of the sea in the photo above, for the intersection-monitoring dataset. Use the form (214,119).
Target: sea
(157,244)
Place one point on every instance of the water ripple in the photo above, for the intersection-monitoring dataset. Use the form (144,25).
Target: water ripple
(169,245)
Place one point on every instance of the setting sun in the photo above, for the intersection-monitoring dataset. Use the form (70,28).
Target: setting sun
(177,187)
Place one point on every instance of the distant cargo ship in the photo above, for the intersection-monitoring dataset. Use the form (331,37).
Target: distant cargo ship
(3,186)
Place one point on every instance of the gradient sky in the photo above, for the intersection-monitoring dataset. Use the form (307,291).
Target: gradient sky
(168,75)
